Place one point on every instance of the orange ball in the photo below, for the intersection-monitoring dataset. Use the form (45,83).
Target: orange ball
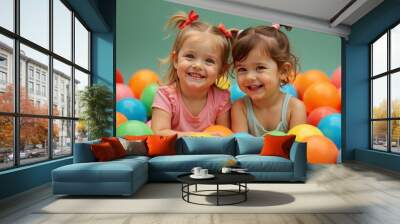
(120,119)
(303,81)
(220,129)
(321,149)
(321,94)
(141,79)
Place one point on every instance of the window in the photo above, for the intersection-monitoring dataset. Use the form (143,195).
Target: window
(30,87)
(385,96)
(47,75)
(30,72)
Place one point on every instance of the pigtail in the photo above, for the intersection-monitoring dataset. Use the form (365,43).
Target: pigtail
(176,19)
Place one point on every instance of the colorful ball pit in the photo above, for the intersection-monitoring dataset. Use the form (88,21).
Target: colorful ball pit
(320,149)
(305,80)
(123,91)
(133,128)
(147,97)
(133,109)
(236,93)
(219,129)
(317,114)
(321,94)
(289,88)
(119,78)
(120,118)
(331,127)
(303,131)
(141,79)
(336,78)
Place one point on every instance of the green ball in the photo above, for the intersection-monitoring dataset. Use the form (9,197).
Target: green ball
(133,128)
(276,133)
(147,97)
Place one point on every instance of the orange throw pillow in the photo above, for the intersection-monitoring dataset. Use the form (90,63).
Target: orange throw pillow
(103,151)
(136,138)
(116,145)
(277,145)
(158,145)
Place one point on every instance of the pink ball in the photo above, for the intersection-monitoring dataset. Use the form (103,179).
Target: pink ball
(336,78)
(317,114)
(123,91)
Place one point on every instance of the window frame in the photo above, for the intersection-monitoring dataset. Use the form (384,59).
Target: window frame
(16,115)
(388,74)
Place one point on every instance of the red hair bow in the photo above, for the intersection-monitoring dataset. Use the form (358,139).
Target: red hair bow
(223,29)
(192,16)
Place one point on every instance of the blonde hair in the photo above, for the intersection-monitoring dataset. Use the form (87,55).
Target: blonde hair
(183,34)
(274,43)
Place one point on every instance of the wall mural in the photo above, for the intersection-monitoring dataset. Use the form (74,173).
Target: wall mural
(138,76)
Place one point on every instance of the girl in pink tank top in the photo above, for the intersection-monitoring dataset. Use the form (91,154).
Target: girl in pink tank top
(191,102)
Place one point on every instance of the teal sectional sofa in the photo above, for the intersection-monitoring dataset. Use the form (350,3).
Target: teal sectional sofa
(125,176)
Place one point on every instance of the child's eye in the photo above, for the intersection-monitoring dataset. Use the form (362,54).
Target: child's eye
(240,70)
(189,56)
(260,68)
(211,61)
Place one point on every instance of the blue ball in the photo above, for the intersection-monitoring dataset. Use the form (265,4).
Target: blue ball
(331,127)
(236,93)
(289,88)
(133,109)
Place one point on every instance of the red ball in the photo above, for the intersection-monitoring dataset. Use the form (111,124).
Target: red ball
(336,78)
(316,115)
(119,78)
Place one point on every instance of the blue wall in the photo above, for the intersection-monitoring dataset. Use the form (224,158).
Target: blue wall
(99,15)
(356,70)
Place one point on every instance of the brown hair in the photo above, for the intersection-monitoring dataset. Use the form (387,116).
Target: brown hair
(189,30)
(275,44)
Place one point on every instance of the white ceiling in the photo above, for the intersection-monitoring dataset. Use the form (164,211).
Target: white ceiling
(327,16)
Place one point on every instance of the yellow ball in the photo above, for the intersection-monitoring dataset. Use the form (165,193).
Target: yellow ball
(223,83)
(303,131)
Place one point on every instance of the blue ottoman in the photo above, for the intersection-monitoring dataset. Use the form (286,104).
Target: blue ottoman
(118,177)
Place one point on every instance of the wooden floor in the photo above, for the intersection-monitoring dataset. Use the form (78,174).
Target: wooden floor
(378,188)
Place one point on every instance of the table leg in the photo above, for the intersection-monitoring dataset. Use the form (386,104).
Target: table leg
(217,194)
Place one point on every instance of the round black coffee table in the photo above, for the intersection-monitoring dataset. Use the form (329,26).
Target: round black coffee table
(238,179)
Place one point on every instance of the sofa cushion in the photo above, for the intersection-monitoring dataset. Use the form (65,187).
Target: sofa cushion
(206,145)
(116,145)
(103,151)
(112,171)
(185,163)
(257,163)
(249,145)
(83,152)
(134,147)
(158,145)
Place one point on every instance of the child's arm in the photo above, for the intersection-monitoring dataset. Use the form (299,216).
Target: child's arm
(239,118)
(161,124)
(224,119)
(298,114)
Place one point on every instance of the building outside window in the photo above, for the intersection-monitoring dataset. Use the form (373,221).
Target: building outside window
(58,126)
(385,96)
